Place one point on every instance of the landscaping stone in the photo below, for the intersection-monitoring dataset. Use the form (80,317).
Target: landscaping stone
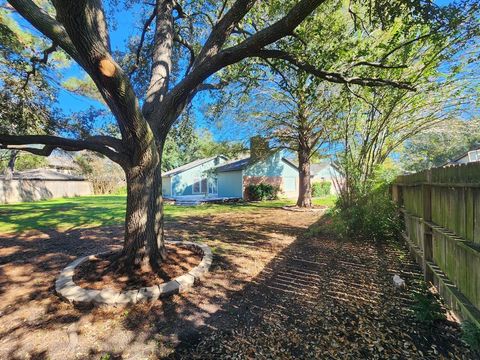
(106,296)
(66,288)
(127,297)
(169,288)
(148,293)
(186,281)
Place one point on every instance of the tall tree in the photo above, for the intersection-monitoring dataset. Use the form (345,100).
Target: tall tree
(298,113)
(219,35)
(378,122)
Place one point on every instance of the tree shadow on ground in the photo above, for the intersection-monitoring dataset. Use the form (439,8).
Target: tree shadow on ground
(33,320)
(275,290)
(325,298)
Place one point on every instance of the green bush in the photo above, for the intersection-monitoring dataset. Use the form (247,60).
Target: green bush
(262,192)
(471,335)
(321,188)
(372,217)
(427,308)
(121,190)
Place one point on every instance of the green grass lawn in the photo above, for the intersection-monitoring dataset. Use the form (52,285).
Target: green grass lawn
(92,211)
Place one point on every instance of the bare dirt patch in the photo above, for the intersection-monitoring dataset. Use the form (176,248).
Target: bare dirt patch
(97,274)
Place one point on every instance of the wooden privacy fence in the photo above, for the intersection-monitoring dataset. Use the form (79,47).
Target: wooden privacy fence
(441,211)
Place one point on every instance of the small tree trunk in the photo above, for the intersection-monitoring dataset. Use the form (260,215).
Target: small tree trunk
(305,188)
(144,238)
(11,164)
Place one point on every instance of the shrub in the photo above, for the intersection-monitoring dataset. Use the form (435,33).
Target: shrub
(427,308)
(371,217)
(471,335)
(321,188)
(262,192)
(121,190)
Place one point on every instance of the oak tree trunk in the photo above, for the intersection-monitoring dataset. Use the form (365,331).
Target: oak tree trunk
(144,238)
(305,187)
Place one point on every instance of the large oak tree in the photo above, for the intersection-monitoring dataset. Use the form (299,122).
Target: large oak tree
(220,34)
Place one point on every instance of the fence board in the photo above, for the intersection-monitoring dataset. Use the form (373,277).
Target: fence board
(446,201)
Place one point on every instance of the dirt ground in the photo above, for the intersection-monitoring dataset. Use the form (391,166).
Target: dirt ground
(273,292)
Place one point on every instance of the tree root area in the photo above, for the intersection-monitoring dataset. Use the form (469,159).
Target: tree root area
(314,208)
(99,273)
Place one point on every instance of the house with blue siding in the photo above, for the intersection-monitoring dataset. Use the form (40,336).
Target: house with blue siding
(325,172)
(195,179)
(217,178)
(273,168)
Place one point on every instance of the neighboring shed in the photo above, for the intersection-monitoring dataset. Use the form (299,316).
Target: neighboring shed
(41,184)
(193,179)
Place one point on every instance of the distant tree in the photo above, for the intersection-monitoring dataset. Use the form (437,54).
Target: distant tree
(26,97)
(298,113)
(378,122)
(440,144)
(23,161)
(105,175)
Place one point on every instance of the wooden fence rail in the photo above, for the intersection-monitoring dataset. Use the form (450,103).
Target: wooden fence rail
(441,212)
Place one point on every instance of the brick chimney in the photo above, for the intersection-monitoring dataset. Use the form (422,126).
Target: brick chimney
(258,148)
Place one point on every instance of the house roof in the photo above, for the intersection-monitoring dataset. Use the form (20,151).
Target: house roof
(190,165)
(234,165)
(43,174)
(241,164)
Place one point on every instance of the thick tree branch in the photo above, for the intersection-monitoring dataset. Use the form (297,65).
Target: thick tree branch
(223,29)
(211,59)
(334,77)
(142,40)
(85,24)
(161,60)
(283,27)
(177,38)
(105,145)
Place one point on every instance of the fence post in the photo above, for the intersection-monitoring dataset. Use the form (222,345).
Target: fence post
(427,229)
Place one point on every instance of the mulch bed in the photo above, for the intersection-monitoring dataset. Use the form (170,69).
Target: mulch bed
(96,274)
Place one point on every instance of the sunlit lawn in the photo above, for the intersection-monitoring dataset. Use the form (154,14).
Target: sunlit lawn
(92,211)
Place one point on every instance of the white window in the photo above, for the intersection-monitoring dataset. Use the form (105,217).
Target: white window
(212,186)
(197,183)
(199,186)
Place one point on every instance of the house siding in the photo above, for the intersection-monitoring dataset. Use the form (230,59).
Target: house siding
(182,183)
(166,186)
(230,184)
(275,171)
(328,174)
